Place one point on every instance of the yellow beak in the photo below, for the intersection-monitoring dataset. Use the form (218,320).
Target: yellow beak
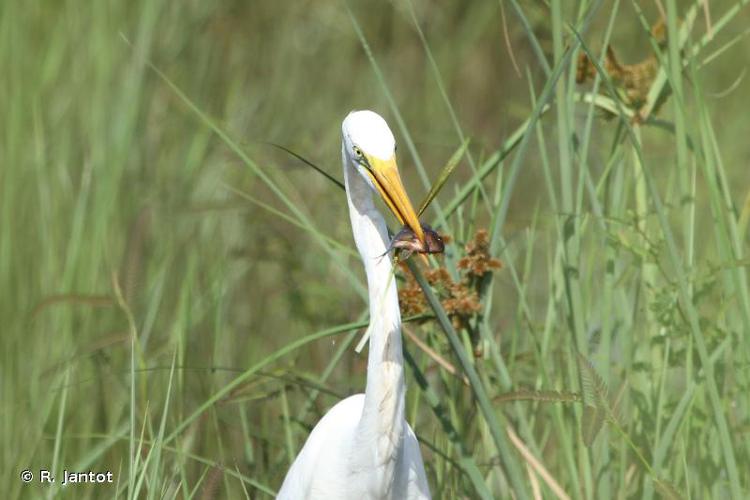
(387,180)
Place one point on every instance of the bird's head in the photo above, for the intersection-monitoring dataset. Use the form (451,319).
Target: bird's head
(370,147)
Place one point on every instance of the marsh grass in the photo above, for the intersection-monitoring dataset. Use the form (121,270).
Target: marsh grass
(180,296)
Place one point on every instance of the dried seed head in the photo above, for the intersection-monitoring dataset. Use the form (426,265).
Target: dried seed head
(460,299)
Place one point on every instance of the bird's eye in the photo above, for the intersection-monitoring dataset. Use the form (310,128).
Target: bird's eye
(358,152)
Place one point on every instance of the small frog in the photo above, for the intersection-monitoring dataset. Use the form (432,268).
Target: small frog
(406,241)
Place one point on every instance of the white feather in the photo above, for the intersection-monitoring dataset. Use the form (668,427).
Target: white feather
(363,448)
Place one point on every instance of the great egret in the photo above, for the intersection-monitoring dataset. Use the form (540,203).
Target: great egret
(363,447)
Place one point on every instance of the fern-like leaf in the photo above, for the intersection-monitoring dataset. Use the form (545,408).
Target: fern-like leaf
(595,398)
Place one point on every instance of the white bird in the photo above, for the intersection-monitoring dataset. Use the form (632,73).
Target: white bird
(363,448)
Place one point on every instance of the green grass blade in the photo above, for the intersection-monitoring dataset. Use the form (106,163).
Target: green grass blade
(465,460)
(509,460)
(309,164)
(445,173)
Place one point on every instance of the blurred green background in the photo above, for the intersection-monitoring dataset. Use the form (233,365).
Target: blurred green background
(108,176)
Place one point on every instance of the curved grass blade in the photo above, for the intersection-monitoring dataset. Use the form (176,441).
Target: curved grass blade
(535,395)
(231,386)
(448,169)
(72,298)
(308,163)
(489,165)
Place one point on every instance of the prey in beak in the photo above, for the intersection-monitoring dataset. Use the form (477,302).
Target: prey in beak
(407,242)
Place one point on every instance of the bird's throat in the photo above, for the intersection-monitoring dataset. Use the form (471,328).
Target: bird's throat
(382,424)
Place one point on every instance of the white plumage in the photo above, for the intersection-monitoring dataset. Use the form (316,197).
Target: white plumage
(363,448)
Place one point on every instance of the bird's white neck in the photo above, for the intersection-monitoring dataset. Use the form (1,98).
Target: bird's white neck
(382,423)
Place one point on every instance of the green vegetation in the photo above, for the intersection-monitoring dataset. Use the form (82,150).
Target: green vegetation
(181,300)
